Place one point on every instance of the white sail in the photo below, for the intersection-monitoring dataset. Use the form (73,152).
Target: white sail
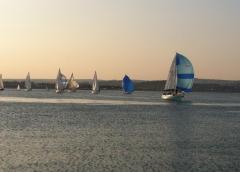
(72,85)
(171,82)
(18,87)
(61,82)
(1,83)
(28,84)
(95,84)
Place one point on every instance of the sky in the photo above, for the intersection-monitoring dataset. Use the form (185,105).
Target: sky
(117,37)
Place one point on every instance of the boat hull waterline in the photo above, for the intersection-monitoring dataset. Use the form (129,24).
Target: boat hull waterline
(177,96)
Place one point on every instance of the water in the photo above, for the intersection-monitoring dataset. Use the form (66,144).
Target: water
(43,131)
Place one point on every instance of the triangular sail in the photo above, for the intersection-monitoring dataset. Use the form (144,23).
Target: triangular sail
(28,84)
(95,84)
(72,84)
(18,87)
(171,82)
(61,82)
(185,73)
(1,83)
(127,85)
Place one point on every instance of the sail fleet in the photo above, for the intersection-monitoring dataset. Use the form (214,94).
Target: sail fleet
(180,81)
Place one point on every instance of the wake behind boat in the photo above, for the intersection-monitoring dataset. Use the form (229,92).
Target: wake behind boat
(180,78)
(95,84)
(127,85)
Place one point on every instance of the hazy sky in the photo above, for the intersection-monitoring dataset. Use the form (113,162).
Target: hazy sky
(114,37)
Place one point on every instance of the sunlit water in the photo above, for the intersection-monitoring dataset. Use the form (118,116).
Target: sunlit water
(44,131)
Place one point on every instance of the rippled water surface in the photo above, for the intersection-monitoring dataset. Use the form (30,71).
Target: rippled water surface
(43,131)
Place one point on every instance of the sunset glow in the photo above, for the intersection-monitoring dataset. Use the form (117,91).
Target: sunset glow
(135,37)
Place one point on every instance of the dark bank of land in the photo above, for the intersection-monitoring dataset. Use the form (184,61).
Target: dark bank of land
(201,85)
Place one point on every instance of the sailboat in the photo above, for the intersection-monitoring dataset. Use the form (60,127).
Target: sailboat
(28,84)
(61,82)
(180,78)
(72,85)
(1,83)
(95,84)
(18,87)
(127,85)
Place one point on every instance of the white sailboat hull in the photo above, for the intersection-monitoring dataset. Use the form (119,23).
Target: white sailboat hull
(177,96)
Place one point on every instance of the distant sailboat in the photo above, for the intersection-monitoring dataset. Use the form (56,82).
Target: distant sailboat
(95,84)
(18,87)
(61,82)
(1,83)
(72,85)
(180,78)
(127,85)
(28,84)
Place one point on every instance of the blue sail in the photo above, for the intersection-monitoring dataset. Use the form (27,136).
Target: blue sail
(127,84)
(185,73)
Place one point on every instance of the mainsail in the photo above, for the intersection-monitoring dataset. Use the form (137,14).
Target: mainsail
(28,84)
(181,74)
(61,82)
(172,79)
(127,85)
(72,84)
(1,83)
(95,84)
(18,87)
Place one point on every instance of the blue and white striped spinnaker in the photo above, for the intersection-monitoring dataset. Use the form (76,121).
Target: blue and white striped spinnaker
(185,73)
